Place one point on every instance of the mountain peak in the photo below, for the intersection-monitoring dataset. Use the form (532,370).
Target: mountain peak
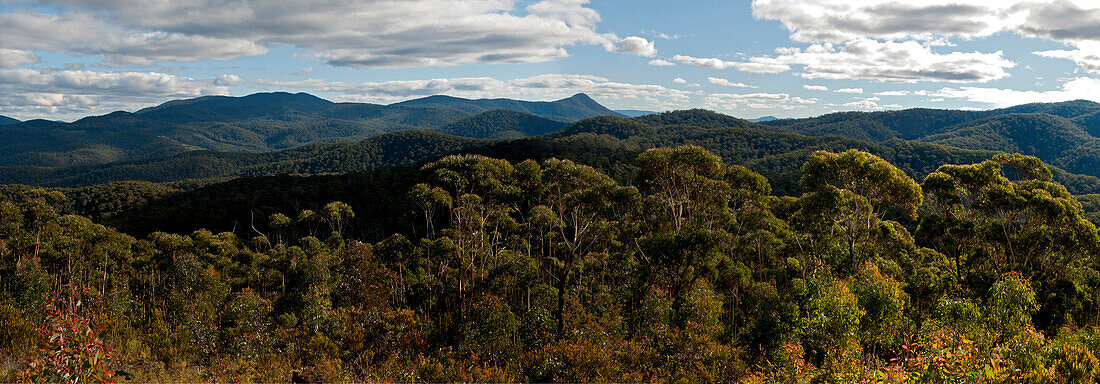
(573,108)
(4,120)
(300,98)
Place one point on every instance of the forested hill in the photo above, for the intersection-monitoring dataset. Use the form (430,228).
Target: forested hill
(570,109)
(382,151)
(260,122)
(915,123)
(1065,135)
(501,124)
(4,120)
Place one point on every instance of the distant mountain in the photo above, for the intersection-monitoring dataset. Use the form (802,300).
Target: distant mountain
(261,122)
(1065,134)
(633,112)
(501,124)
(917,141)
(4,120)
(571,109)
(763,119)
(914,123)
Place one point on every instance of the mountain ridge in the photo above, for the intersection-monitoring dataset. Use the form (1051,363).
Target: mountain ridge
(261,122)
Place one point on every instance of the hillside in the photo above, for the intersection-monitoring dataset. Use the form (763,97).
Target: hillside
(916,123)
(501,124)
(4,120)
(262,122)
(1061,134)
(570,109)
(606,142)
(383,151)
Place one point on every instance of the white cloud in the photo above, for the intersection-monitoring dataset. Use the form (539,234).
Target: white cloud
(727,83)
(369,33)
(731,101)
(679,80)
(815,87)
(1086,54)
(84,35)
(933,21)
(849,90)
(890,61)
(661,63)
(228,80)
(30,93)
(635,45)
(843,20)
(705,62)
(1086,88)
(870,103)
(11,58)
(868,59)
(716,63)
(892,93)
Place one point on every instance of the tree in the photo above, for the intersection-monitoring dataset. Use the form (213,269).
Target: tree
(575,216)
(851,193)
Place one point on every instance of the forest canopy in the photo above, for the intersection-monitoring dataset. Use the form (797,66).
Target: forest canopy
(553,271)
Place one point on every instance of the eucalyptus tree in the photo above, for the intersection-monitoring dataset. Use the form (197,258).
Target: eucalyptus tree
(1006,214)
(848,197)
(575,212)
(481,191)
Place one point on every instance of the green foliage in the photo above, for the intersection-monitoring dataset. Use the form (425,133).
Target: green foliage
(473,268)
(501,124)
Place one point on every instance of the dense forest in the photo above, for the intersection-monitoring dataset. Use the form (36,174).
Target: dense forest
(673,265)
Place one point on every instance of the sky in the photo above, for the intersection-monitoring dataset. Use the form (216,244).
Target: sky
(65,59)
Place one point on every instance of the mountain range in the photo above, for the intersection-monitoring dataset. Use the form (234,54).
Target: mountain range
(216,138)
(263,122)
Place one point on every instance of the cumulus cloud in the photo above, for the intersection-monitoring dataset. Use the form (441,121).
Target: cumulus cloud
(727,83)
(84,35)
(549,86)
(871,60)
(369,33)
(713,63)
(815,87)
(1068,21)
(730,101)
(679,80)
(870,103)
(755,66)
(1085,88)
(661,63)
(635,45)
(890,61)
(849,90)
(1086,54)
(70,93)
(11,58)
(228,80)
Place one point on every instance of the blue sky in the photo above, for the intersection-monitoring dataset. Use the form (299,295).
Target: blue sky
(63,59)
